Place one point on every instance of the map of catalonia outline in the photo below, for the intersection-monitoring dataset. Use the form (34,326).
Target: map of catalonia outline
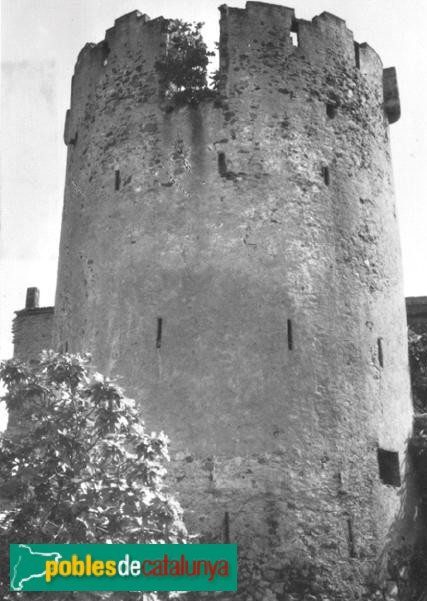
(18,586)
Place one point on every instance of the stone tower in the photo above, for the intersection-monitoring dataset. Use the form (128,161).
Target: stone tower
(238,263)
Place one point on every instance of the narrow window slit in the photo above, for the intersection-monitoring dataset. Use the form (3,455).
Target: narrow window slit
(66,346)
(331,110)
(380,352)
(389,468)
(159,332)
(117,180)
(222,165)
(325,175)
(226,528)
(290,337)
(351,545)
(294,33)
(357,54)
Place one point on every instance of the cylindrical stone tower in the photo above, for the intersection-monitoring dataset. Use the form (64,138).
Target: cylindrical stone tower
(238,263)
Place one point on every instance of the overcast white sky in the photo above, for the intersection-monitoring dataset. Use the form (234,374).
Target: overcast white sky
(40,43)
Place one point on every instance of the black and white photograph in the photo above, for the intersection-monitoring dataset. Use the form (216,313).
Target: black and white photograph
(213,300)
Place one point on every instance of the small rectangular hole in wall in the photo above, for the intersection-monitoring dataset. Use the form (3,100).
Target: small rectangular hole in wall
(290,336)
(331,110)
(357,55)
(325,175)
(227,528)
(159,332)
(66,347)
(351,545)
(389,468)
(294,34)
(380,352)
(222,165)
(105,52)
(117,179)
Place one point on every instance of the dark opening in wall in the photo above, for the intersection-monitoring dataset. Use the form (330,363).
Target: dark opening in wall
(389,469)
(105,48)
(117,179)
(290,337)
(325,175)
(66,347)
(159,332)
(351,545)
(331,110)
(357,54)
(222,165)
(380,352)
(295,33)
(227,528)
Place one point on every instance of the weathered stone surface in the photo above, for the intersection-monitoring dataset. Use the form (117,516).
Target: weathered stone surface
(32,331)
(260,229)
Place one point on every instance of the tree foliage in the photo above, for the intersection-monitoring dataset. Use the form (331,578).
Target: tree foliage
(78,466)
(183,70)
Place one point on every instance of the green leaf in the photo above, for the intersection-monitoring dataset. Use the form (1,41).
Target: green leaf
(86,469)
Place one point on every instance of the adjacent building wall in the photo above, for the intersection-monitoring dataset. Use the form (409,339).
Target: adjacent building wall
(32,327)
(416,310)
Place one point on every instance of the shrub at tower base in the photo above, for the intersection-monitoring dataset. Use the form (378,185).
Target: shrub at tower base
(77,465)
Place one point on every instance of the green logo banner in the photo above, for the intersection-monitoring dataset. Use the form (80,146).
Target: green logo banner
(123,567)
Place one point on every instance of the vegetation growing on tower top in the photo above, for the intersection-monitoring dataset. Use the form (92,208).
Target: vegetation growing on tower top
(183,70)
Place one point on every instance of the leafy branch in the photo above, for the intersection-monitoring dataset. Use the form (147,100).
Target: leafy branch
(78,466)
(183,70)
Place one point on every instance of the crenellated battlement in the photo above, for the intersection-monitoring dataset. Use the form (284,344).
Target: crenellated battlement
(261,28)
(255,44)
(135,29)
(134,40)
(131,16)
(253,40)
(134,32)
